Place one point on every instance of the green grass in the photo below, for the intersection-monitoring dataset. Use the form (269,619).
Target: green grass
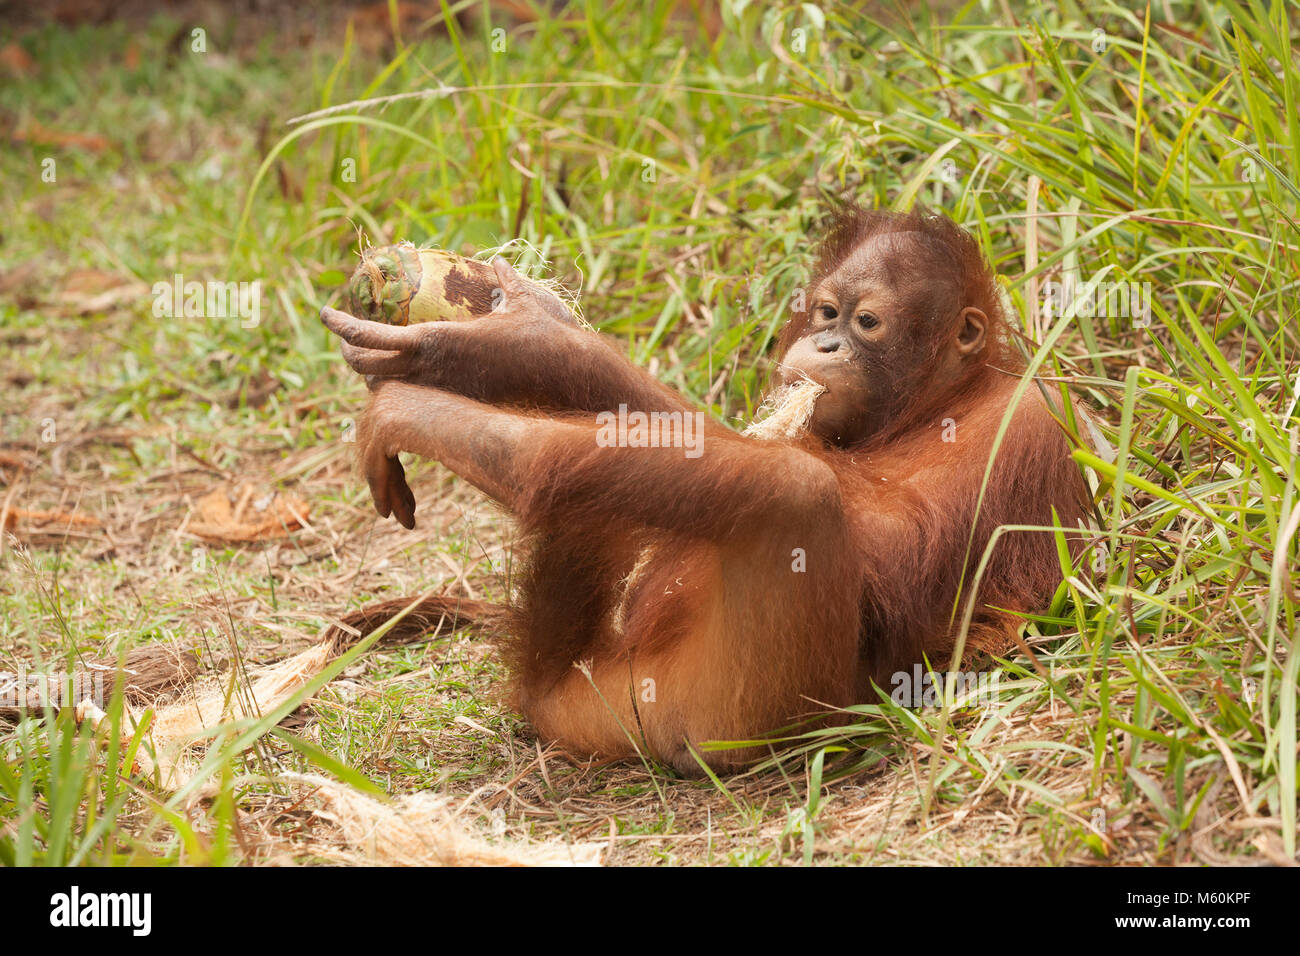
(678,178)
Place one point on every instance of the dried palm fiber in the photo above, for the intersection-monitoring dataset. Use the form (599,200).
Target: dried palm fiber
(424,829)
(179,730)
(787,412)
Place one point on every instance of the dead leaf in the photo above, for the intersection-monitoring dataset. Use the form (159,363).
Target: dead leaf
(233,514)
(87,291)
(40,135)
(14,59)
(47,520)
(91,281)
(14,461)
(21,284)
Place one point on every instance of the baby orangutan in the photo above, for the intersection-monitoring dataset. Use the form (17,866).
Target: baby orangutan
(670,600)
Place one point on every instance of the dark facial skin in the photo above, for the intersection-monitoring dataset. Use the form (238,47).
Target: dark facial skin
(871,338)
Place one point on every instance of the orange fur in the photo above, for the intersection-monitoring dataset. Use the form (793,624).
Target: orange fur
(662,606)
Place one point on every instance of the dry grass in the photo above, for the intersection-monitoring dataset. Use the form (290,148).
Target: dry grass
(392,710)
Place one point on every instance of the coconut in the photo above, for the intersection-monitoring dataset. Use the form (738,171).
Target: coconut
(402,284)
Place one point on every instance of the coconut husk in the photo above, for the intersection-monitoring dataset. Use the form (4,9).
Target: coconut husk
(403,284)
(787,412)
(436,614)
(148,674)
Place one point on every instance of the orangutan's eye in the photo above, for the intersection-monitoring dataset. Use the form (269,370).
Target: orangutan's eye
(827,311)
(868,321)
